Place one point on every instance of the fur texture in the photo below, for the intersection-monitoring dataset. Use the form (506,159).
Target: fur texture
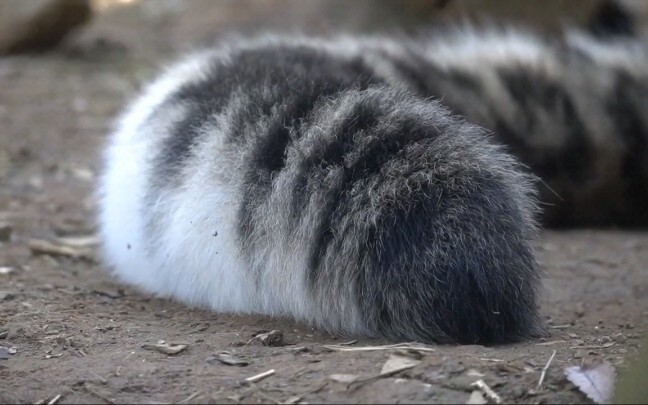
(336,182)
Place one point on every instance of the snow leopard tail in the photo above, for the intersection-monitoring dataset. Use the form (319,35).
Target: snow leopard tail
(289,179)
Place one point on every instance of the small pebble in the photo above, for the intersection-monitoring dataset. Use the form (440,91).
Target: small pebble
(5,232)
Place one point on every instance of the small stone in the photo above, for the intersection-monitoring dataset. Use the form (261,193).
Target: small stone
(476,397)
(40,25)
(6,352)
(5,232)
(271,338)
(6,296)
(166,348)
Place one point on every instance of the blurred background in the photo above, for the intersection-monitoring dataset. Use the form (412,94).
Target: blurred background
(171,25)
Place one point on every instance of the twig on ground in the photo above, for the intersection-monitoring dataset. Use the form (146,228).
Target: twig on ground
(259,377)
(544,370)
(488,391)
(190,397)
(550,343)
(54,400)
(414,346)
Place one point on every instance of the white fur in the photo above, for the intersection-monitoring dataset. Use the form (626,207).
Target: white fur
(194,256)
(186,261)
(612,53)
(470,49)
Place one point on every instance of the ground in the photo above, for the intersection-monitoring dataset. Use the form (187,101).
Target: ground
(79,336)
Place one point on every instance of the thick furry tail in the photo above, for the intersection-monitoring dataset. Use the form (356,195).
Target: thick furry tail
(421,227)
(292,181)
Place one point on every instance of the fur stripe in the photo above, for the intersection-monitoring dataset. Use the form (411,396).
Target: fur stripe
(544,104)
(284,110)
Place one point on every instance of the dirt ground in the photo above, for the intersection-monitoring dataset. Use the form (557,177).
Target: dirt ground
(80,337)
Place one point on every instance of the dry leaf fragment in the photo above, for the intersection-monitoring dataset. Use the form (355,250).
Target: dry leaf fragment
(596,380)
(398,362)
(229,359)
(476,398)
(343,378)
(166,348)
(80,241)
(474,373)
(44,247)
